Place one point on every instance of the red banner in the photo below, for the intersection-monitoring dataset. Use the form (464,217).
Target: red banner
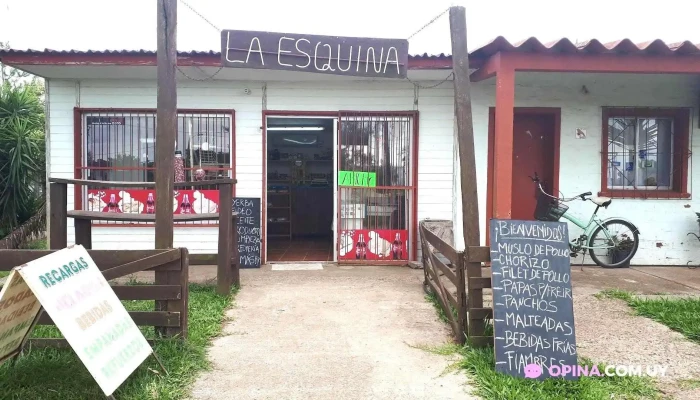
(142,201)
(369,244)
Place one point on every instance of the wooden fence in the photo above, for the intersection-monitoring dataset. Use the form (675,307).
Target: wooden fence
(228,273)
(455,278)
(170,289)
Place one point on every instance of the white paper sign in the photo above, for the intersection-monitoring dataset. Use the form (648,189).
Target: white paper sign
(18,309)
(88,313)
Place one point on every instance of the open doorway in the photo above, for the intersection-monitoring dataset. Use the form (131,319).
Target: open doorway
(300,188)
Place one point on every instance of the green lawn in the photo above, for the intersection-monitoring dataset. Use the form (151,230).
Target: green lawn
(681,315)
(480,364)
(52,374)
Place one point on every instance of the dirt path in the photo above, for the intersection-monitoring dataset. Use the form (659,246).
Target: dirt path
(340,333)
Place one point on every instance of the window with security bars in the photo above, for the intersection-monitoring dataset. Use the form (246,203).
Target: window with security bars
(646,153)
(121,146)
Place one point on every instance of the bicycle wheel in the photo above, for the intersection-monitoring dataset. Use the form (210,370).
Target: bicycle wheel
(621,234)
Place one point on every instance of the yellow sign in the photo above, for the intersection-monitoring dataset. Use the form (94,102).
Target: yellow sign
(18,309)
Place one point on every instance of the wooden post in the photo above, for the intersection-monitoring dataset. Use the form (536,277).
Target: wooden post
(83,232)
(465,130)
(58,236)
(224,273)
(462,321)
(467,164)
(166,122)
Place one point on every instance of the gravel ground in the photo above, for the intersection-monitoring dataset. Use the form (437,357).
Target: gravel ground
(340,333)
(608,332)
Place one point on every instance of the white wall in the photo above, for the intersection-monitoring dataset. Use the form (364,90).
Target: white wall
(435,135)
(663,223)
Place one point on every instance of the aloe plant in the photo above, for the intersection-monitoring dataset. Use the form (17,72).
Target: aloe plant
(22,155)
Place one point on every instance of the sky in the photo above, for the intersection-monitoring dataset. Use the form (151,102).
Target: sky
(131,24)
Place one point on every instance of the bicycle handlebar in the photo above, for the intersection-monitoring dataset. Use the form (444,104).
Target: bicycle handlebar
(582,196)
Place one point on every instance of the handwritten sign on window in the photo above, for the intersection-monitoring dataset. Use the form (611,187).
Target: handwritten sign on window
(533,304)
(355,178)
(351,56)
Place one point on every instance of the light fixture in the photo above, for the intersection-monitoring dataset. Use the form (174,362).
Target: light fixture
(294,128)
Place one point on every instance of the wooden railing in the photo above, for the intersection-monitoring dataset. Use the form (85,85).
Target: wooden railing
(228,273)
(455,278)
(170,289)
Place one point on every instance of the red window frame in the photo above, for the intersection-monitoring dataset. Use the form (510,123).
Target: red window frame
(681,152)
(78,141)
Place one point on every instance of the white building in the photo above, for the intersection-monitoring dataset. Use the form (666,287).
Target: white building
(617,120)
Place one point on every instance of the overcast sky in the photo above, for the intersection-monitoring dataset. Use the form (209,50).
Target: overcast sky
(130,24)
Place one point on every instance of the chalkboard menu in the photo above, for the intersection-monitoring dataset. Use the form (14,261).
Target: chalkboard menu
(533,311)
(248,227)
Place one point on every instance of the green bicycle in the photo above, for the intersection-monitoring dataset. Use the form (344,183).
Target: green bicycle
(611,242)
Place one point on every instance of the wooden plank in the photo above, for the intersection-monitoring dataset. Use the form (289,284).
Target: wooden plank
(479,283)
(462,321)
(148,292)
(142,264)
(224,273)
(127,217)
(203,259)
(58,235)
(478,254)
(452,299)
(183,279)
(475,296)
(481,341)
(83,233)
(481,313)
(449,274)
(150,185)
(105,259)
(42,343)
(445,309)
(141,318)
(443,247)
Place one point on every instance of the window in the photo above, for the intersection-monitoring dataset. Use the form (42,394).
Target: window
(645,152)
(121,146)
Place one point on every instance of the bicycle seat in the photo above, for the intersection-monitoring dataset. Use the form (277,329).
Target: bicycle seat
(601,201)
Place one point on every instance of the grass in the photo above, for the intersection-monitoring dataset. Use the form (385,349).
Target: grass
(54,374)
(432,298)
(479,364)
(681,315)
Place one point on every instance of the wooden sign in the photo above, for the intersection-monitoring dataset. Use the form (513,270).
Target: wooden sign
(18,310)
(248,227)
(533,304)
(88,313)
(351,56)
(355,178)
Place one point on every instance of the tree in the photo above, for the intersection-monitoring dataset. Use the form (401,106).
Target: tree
(10,75)
(22,154)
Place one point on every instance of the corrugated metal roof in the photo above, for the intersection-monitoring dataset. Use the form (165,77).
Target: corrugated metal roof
(566,46)
(499,44)
(192,53)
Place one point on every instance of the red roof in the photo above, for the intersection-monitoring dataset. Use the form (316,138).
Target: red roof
(418,61)
(565,46)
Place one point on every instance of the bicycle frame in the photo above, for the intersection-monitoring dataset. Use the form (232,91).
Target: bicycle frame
(588,229)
